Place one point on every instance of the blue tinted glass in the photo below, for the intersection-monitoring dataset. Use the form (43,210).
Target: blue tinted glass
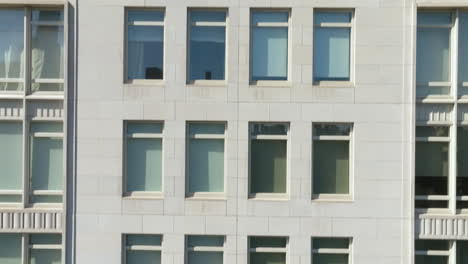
(208,16)
(269,55)
(207,53)
(47,15)
(143,127)
(331,53)
(332,17)
(275,17)
(145,15)
(434,18)
(145,52)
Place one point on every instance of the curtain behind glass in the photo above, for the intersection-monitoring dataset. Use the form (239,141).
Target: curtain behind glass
(10,248)
(144,164)
(268,166)
(11,156)
(206,165)
(331,167)
(269,53)
(145,52)
(331,53)
(11,48)
(143,257)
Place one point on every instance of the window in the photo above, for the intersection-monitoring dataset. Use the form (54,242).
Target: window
(11,156)
(268,154)
(331,250)
(432,149)
(462,168)
(41,248)
(142,249)
(432,251)
(269,45)
(205,149)
(207,45)
(143,158)
(145,44)
(205,249)
(332,45)
(46,162)
(40,66)
(331,166)
(266,250)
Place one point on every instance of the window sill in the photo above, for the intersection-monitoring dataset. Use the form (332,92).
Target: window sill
(45,206)
(152,82)
(46,96)
(11,95)
(143,196)
(210,83)
(436,99)
(269,196)
(275,84)
(331,198)
(206,196)
(333,84)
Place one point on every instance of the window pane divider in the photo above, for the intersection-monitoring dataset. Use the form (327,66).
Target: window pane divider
(464,84)
(11,192)
(462,198)
(47,23)
(146,23)
(267,250)
(433,139)
(332,138)
(205,249)
(334,25)
(207,136)
(331,251)
(432,253)
(45,246)
(145,135)
(271,24)
(11,80)
(269,137)
(47,192)
(435,26)
(144,248)
(48,80)
(432,197)
(47,135)
(208,24)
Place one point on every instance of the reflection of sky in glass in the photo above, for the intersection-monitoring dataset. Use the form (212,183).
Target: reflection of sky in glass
(145,15)
(207,16)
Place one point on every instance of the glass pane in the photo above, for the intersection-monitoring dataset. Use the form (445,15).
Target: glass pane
(207,16)
(424,131)
(151,128)
(332,17)
(143,257)
(269,54)
(47,57)
(207,53)
(462,161)
(268,129)
(201,128)
(206,165)
(434,18)
(431,168)
(431,260)
(144,164)
(206,241)
(11,156)
(463,52)
(46,163)
(332,129)
(11,47)
(267,258)
(462,252)
(268,16)
(45,256)
(144,240)
(205,257)
(10,198)
(10,249)
(331,167)
(272,242)
(46,199)
(433,55)
(47,15)
(145,15)
(145,52)
(47,127)
(332,54)
(330,259)
(45,239)
(268,166)
(327,242)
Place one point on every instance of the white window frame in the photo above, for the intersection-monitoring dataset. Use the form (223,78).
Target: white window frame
(140,247)
(208,249)
(149,24)
(328,197)
(189,136)
(142,194)
(287,138)
(274,83)
(332,251)
(352,50)
(283,250)
(224,24)
(450,182)
(27,79)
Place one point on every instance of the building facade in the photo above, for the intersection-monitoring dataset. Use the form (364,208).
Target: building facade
(233,131)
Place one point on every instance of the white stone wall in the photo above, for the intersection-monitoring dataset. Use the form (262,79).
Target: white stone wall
(379,104)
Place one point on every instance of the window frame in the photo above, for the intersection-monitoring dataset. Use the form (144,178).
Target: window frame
(126,248)
(189,136)
(333,251)
(327,197)
(208,249)
(288,25)
(352,45)
(27,79)
(287,138)
(224,24)
(126,136)
(126,40)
